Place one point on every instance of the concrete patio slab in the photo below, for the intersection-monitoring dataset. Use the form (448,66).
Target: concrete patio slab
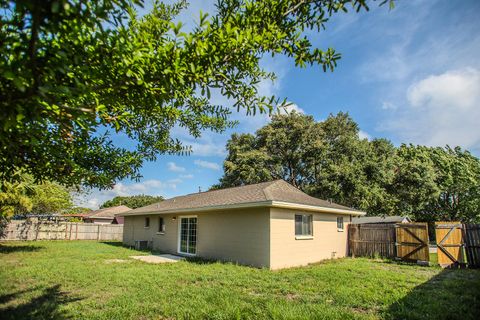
(159,258)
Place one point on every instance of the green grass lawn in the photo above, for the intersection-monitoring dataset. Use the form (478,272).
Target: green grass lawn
(91,280)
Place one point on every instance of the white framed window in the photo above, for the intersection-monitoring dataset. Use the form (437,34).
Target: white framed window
(161,225)
(303,226)
(147,222)
(339,223)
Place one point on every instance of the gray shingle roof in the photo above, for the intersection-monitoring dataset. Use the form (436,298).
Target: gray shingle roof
(108,212)
(277,190)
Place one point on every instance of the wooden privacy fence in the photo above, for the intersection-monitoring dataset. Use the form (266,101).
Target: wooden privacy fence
(471,235)
(406,241)
(458,244)
(368,240)
(47,230)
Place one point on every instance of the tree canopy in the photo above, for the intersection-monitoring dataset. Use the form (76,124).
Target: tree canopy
(74,72)
(132,202)
(329,160)
(26,196)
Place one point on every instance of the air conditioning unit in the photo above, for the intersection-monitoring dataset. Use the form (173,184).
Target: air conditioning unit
(142,244)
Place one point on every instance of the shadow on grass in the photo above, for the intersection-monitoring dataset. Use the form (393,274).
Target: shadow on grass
(5,298)
(452,294)
(45,306)
(22,248)
(113,243)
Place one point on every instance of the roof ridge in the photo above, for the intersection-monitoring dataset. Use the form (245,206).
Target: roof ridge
(222,189)
(266,191)
(218,190)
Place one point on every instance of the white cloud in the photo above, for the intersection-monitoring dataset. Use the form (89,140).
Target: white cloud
(387,105)
(172,166)
(363,135)
(186,176)
(207,164)
(442,109)
(207,146)
(458,88)
(291,107)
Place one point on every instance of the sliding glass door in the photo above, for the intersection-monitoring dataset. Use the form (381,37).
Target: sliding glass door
(188,235)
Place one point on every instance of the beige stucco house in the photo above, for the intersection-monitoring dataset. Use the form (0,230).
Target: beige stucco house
(270,224)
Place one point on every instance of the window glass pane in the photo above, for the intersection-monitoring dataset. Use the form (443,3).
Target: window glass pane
(310,225)
(307,225)
(184,235)
(147,222)
(161,225)
(340,222)
(192,236)
(298,225)
(303,225)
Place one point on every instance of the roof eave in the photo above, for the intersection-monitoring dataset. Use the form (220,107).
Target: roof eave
(291,205)
(259,204)
(200,209)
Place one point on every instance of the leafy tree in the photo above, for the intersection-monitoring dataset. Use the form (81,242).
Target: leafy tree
(288,141)
(414,183)
(457,181)
(245,163)
(132,202)
(329,160)
(380,168)
(16,197)
(50,197)
(25,196)
(72,72)
(339,161)
(276,152)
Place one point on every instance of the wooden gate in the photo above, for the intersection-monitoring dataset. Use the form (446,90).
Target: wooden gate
(471,236)
(449,244)
(412,241)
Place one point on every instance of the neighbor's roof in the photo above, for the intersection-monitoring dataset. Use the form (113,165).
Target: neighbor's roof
(276,193)
(377,219)
(108,212)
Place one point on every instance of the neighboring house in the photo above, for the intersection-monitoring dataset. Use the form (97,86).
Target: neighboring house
(270,224)
(388,219)
(107,215)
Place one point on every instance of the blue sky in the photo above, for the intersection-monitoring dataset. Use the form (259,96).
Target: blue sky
(410,75)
